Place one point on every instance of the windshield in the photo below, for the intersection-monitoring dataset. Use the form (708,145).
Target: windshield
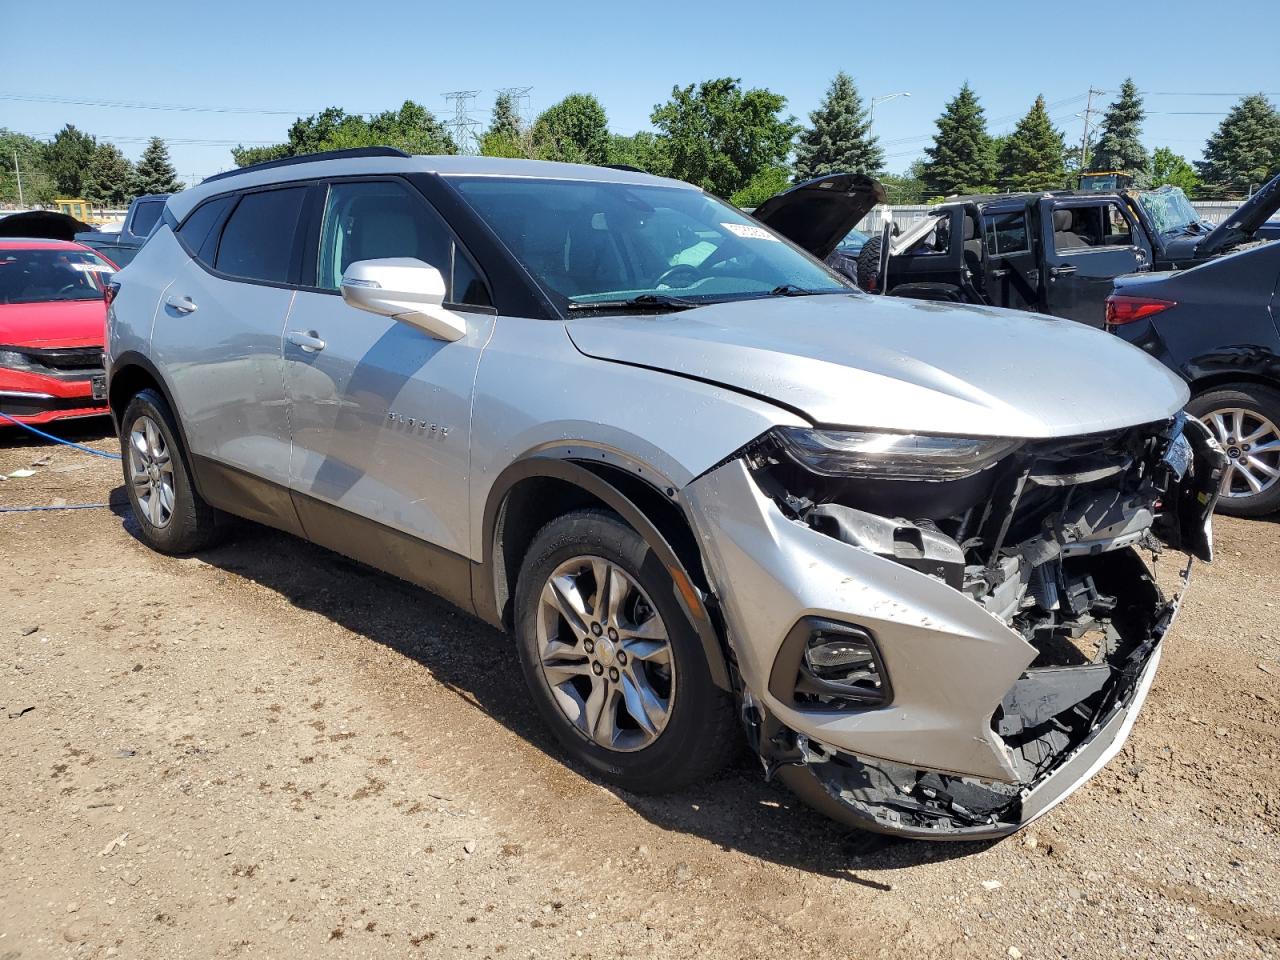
(852,243)
(40,275)
(1168,209)
(607,242)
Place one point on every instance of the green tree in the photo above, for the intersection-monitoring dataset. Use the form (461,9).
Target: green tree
(412,128)
(575,130)
(761,187)
(1169,167)
(1245,149)
(720,137)
(1119,144)
(505,121)
(66,157)
(1030,158)
(506,136)
(108,179)
(838,138)
(644,150)
(154,172)
(37,185)
(962,158)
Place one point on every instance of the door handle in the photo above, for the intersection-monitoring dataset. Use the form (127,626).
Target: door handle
(1003,272)
(1062,271)
(183,305)
(309,342)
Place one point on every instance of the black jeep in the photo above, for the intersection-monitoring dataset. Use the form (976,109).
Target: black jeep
(1053,252)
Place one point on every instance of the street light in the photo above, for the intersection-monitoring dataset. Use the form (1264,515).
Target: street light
(871,110)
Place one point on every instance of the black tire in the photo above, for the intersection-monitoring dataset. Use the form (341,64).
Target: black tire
(191,523)
(1263,402)
(869,265)
(700,734)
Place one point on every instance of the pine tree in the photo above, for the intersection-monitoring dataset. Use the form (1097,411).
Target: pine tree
(154,172)
(1245,149)
(506,136)
(1031,158)
(838,139)
(66,157)
(108,178)
(1119,145)
(961,159)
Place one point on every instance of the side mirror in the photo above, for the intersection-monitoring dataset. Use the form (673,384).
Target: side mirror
(404,289)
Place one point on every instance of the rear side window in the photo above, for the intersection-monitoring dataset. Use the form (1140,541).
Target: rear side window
(257,242)
(1007,233)
(198,231)
(145,216)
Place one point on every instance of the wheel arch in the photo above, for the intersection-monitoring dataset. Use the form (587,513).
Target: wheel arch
(536,489)
(131,372)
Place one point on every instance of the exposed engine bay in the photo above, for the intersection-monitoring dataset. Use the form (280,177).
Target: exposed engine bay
(1054,541)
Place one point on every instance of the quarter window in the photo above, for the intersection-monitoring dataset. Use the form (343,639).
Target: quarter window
(145,216)
(199,231)
(257,242)
(1007,233)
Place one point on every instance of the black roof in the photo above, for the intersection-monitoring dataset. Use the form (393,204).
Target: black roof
(310,158)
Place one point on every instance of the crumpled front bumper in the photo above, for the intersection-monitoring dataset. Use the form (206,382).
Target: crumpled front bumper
(951,664)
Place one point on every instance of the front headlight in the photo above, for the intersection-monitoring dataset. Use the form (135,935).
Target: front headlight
(13,360)
(892,456)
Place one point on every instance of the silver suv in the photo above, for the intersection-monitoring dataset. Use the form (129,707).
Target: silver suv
(702,480)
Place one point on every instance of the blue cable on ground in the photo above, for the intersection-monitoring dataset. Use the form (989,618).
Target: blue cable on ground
(50,436)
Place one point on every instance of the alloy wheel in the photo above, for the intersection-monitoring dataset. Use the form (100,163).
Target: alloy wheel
(605,654)
(151,471)
(1252,443)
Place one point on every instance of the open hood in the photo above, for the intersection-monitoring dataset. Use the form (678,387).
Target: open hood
(819,213)
(1242,224)
(891,363)
(41,225)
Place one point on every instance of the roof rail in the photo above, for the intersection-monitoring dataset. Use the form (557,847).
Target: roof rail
(310,158)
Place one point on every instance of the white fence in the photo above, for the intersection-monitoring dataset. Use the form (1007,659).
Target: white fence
(905,214)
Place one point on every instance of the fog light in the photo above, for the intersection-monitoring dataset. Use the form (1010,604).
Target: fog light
(842,657)
(825,664)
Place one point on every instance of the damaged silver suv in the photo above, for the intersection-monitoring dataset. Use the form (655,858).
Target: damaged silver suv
(703,481)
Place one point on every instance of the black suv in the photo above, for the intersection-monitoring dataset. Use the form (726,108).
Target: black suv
(1055,252)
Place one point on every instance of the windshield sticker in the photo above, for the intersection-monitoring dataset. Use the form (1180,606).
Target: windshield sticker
(749,232)
(91,267)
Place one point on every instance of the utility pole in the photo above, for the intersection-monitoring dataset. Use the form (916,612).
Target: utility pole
(1084,136)
(18,171)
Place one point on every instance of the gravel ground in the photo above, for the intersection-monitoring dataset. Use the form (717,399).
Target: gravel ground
(268,750)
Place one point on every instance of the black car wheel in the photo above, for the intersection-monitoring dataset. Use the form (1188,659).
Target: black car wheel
(614,665)
(1245,419)
(172,517)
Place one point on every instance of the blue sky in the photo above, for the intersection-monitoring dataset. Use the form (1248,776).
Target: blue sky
(373,55)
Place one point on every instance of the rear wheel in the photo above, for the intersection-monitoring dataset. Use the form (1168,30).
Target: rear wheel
(172,517)
(614,665)
(869,265)
(1245,419)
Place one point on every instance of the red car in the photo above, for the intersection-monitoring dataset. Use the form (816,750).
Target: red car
(52,323)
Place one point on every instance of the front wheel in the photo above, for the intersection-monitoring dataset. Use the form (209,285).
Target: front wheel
(614,665)
(172,516)
(1245,419)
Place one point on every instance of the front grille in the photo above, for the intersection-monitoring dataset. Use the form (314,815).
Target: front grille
(66,358)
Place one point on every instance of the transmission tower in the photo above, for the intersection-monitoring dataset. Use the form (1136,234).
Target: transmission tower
(520,97)
(463,125)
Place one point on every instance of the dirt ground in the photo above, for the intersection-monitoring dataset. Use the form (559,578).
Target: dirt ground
(270,751)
